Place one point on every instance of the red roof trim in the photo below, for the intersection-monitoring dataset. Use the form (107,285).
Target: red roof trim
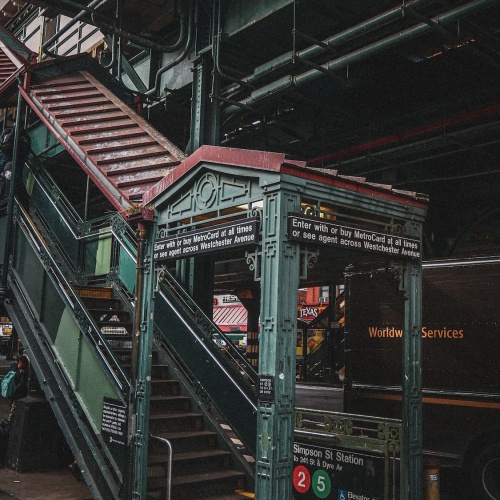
(276,162)
(358,186)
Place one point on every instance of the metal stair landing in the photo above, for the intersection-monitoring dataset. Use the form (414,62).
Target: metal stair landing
(120,150)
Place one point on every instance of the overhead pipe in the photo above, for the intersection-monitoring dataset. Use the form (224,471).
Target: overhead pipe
(409,134)
(179,58)
(77,5)
(144,42)
(333,41)
(185,37)
(216,49)
(289,81)
(114,41)
(95,4)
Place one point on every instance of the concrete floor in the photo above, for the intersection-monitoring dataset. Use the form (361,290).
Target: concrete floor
(52,485)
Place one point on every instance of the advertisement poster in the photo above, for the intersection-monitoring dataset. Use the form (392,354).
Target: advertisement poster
(337,474)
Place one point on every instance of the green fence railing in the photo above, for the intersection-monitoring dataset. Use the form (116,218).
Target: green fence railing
(79,369)
(102,249)
(89,363)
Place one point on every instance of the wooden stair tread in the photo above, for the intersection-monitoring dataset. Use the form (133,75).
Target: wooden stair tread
(196,478)
(199,477)
(189,455)
(169,398)
(171,415)
(185,434)
(230,496)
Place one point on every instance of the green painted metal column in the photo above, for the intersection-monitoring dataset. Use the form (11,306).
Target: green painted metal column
(279,284)
(411,456)
(140,419)
(205,108)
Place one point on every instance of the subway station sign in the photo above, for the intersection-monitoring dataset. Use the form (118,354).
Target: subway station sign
(337,473)
(317,231)
(210,239)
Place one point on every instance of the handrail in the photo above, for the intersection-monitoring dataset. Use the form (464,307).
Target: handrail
(76,220)
(209,328)
(208,370)
(168,445)
(70,225)
(93,332)
(204,345)
(51,324)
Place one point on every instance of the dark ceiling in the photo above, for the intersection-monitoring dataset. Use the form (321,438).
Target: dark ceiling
(404,93)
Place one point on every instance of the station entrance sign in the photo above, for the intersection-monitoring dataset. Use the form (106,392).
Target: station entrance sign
(318,231)
(209,239)
(337,473)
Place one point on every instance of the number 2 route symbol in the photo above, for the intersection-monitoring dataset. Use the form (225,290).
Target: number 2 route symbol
(301,479)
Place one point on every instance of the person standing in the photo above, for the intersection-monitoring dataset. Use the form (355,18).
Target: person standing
(5,177)
(21,379)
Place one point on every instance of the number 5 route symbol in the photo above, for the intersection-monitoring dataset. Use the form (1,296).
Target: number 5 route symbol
(321,484)
(301,479)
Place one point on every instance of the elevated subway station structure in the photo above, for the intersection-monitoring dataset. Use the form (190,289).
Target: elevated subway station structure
(282,114)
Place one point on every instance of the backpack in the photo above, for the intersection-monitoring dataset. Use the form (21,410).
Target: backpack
(8,387)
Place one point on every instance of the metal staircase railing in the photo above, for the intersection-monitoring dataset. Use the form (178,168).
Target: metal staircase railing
(70,354)
(208,328)
(224,376)
(166,495)
(80,242)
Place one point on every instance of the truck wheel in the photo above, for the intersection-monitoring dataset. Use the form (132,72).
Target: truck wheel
(485,474)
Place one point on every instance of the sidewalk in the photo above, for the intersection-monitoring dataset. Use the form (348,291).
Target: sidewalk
(51,485)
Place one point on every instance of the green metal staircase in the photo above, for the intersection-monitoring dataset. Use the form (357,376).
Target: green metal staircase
(71,285)
(64,314)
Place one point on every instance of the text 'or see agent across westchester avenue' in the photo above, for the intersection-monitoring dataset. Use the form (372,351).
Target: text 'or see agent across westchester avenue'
(315,230)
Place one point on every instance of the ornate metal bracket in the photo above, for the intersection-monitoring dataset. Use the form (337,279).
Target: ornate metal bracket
(308,258)
(202,395)
(254,261)
(84,228)
(112,277)
(160,276)
(147,264)
(118,225)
